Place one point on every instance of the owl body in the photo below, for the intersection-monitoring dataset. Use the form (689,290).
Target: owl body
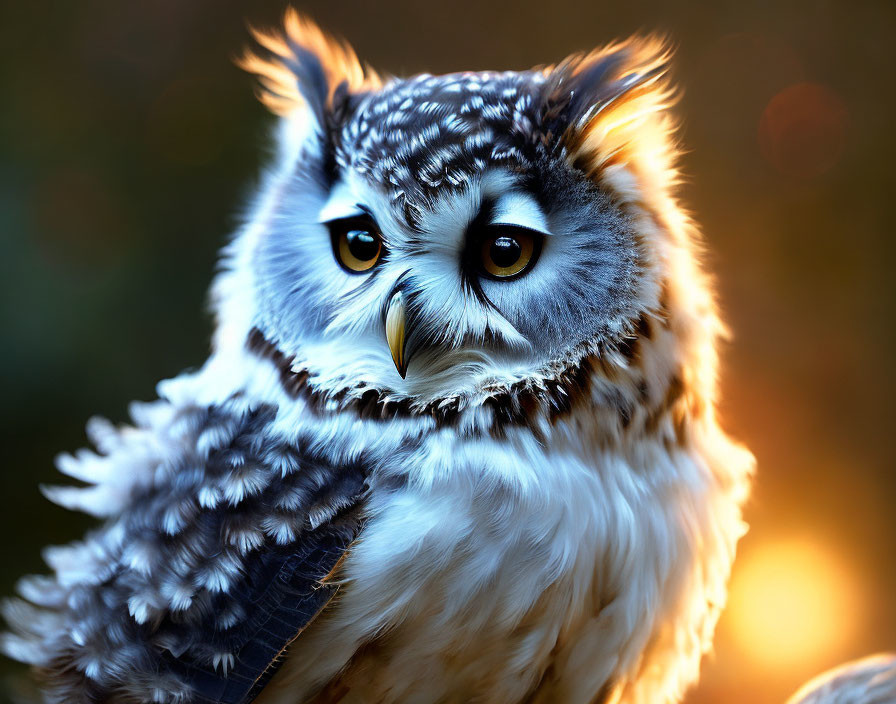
(489,590)
(456,440)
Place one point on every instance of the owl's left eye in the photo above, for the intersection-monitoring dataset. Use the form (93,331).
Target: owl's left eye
(507,251)
(357,243)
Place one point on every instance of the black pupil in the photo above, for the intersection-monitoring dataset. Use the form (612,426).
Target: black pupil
(363,245)
(505,252)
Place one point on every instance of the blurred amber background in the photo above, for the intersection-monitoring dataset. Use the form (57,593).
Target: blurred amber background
(129,143)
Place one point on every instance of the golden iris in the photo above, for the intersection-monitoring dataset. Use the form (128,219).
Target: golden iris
(357,248)
(509,252)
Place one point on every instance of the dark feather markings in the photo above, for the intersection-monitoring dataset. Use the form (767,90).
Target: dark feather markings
(231,547)
(517,405)
(287,589)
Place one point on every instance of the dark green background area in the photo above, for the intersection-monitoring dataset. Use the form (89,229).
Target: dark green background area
(129,144)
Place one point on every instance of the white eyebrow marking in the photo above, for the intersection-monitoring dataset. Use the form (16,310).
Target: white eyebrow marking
(342,203)
(520,209)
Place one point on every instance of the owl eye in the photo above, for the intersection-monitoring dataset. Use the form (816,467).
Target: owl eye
(508,251)
(357,243)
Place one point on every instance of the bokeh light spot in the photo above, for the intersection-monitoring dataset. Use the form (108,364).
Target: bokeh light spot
(802,130)
(792,604)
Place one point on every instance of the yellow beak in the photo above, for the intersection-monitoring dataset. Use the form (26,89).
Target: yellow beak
(396,321)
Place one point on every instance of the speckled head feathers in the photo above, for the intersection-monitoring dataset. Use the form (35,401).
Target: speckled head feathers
(427,133)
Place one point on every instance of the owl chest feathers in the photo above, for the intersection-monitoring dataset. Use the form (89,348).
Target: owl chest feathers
(501,569)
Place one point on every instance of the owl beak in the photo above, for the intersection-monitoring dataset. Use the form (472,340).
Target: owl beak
(396,323)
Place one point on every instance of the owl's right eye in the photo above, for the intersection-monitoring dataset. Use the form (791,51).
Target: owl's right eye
(357,243)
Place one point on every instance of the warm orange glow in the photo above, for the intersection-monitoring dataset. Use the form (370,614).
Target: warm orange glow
(791,604)
(279,90)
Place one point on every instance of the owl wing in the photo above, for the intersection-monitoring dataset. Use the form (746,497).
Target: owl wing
(282,592)
(218,548)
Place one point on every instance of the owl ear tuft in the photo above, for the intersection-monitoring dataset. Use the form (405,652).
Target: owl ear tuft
(596,105)
(301,66)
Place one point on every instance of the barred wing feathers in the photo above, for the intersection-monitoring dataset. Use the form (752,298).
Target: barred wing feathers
(217,549)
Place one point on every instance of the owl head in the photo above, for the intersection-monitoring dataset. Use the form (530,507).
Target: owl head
(442,241)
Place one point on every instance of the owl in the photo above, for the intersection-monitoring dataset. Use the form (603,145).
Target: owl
(456,439)
(871,680)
